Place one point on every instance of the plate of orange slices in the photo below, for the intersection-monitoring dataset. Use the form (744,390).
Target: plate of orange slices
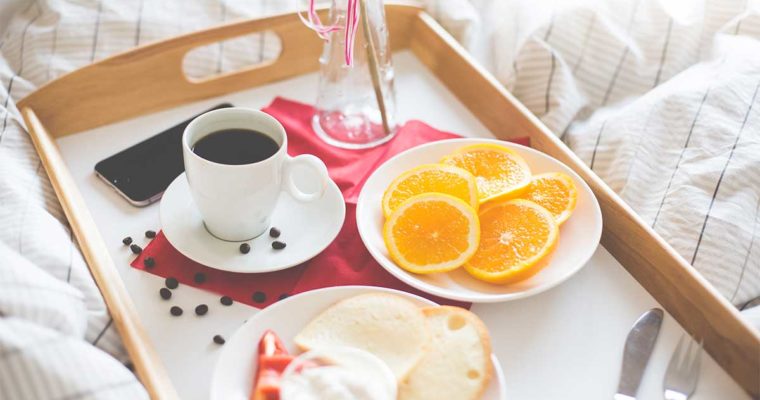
(478,220)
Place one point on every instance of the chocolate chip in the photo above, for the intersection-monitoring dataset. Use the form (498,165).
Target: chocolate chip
(218,339)
(150,234)
(277,245)
(176,311)
(130,366)
(127,241)
(149,262)
(274,232)
(135,249)
(283,296)
(171,283)
(245,248)
(226,300)
(199,277)
(259,297)
(201,309)
(165,293)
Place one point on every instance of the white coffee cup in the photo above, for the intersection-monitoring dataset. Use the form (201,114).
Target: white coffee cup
(237,201)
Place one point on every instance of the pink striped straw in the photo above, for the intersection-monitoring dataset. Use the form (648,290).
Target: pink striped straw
(352,23)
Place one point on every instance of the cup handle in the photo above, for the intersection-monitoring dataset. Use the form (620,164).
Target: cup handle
(316,166)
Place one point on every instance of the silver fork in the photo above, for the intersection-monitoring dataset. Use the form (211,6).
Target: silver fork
(683,370)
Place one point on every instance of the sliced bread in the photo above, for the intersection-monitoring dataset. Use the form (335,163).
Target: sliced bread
(457,364)
(392,328)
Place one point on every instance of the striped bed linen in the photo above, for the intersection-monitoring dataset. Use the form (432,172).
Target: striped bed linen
(661,102)
(659,105)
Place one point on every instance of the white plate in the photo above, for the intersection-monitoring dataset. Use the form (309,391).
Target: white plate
(234,371)
(579,235)
(307,228)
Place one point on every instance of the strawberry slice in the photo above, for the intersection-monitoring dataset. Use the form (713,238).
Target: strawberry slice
(273,358)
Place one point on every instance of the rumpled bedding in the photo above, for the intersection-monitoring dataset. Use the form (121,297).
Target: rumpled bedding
(661,102)
(660,99)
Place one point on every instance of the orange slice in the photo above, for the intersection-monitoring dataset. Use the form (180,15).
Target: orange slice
(516,237)
(439,178)
(498,170)
(555,192)
(432,232)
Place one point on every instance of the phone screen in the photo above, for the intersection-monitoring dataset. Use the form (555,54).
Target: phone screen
(142,172)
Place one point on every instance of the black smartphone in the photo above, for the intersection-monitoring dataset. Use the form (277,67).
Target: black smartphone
(142,172)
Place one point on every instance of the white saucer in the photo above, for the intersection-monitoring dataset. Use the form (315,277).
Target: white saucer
(578,239)
(307,229)
(234,371)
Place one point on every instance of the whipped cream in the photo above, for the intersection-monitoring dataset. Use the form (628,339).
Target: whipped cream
(337,373)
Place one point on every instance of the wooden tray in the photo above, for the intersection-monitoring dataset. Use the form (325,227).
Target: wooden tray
(150,78)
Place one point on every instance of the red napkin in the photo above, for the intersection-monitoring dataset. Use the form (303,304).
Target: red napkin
(346,261)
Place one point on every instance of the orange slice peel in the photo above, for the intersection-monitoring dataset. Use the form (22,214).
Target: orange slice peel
(438,178)
(499,171)
(432,232)
(517,237)
(554,191)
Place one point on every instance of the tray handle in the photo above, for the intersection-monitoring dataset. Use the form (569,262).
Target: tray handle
(151,78)
(297,55)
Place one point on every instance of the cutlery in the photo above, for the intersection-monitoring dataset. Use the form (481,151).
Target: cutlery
(638,348)
(683,371)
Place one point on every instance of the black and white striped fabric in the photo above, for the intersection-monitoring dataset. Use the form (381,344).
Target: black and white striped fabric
(660,99)
(662,104)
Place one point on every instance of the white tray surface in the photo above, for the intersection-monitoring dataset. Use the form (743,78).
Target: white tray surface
(566,343)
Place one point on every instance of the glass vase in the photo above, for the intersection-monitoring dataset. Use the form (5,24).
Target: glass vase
(356,105)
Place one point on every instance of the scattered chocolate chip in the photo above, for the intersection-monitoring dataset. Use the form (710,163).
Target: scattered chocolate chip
(274,232)
(245,248)
(218,339)
(201,309)
(135,249)
(278,245)
(199,277)
(165,293)
(150,234)
(259,297)
(283,296)
(171,283)
(226,300)
(149,262)
(127,241)
(176,311)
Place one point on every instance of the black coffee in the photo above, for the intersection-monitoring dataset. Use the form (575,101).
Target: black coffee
(236,146)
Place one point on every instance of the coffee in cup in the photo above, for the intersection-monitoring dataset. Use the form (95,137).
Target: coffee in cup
(237,164)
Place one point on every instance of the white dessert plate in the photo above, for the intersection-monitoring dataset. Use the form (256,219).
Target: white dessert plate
(234,371)
(307,229)
(579,235)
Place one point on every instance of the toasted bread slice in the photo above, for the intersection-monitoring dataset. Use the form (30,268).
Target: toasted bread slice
(458,362)
(388,326)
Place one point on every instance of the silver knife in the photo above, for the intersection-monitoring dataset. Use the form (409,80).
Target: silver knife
(638,348)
